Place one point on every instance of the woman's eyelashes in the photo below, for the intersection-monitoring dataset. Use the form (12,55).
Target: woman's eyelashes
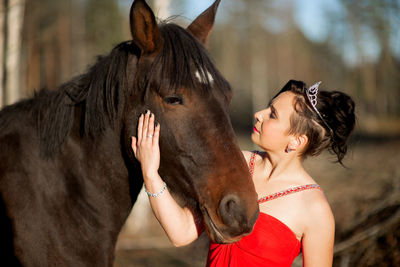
(272,112)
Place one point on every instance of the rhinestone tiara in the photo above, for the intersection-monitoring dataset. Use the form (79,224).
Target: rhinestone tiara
(312,93)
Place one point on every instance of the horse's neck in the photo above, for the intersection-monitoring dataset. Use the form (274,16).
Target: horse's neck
(112,172)
(106,169)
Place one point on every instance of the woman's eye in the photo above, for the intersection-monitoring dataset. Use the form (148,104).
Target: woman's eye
(173,100)
(272,115)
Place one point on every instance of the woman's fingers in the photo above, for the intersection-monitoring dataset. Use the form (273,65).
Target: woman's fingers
(147,131)
(150,127)
(140,129)
(156,134)
(134,145)
(146,125)
(145,146)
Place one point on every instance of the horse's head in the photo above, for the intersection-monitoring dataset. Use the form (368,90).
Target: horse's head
(200,158)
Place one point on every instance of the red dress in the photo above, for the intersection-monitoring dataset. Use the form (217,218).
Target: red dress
(271,243)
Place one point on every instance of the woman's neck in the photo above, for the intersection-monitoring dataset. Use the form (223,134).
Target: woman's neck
(282,165)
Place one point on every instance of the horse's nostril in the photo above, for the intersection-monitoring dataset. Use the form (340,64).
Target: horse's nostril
(230,205)
(232,213)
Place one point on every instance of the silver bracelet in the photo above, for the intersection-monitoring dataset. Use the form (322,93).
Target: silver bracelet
(156,194)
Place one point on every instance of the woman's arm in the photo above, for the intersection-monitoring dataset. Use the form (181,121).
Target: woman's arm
(178,223)
(318,239)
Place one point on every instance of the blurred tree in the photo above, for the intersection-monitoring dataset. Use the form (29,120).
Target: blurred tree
(11,21)
(374,22)
(103,25)
(46,44)
(62,37)
(2,41)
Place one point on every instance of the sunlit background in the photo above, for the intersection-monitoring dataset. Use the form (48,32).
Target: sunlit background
(258,45)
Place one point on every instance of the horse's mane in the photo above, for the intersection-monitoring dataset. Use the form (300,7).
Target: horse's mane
(100,91)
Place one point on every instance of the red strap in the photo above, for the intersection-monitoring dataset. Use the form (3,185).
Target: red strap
(281,193)
(288,191)
(251,163)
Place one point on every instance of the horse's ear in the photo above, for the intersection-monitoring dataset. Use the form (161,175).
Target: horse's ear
(144,28)
(202,25)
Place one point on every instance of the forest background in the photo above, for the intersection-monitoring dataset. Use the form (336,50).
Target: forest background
(258,45)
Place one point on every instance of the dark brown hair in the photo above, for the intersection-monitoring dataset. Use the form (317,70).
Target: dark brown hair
(332,130)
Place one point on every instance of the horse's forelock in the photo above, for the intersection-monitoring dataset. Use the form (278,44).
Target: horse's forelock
(184,62)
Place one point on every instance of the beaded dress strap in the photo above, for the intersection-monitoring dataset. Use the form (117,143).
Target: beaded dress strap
(288,191)
(251,163)
(281,193)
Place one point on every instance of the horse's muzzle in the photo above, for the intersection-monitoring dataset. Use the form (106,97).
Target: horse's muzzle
(234,222)
(234,216)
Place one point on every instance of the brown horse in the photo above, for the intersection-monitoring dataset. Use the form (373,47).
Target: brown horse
(68,177)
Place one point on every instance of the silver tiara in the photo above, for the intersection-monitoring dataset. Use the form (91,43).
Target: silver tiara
(312,93)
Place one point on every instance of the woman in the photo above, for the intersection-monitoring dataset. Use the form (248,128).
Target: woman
(294,213)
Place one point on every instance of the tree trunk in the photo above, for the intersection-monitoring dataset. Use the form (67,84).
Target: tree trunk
(15,15)
(2,42)
(258,60)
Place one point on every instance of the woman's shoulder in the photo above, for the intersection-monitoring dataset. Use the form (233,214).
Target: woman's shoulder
(313,198)
(317,208)
(247,155)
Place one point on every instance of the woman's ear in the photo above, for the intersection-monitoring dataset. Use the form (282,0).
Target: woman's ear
(297,142)
(302,141)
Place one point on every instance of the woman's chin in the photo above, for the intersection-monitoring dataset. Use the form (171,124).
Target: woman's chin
(254,138)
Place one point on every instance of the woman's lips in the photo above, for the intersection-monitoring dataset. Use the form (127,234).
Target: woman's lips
(255,129)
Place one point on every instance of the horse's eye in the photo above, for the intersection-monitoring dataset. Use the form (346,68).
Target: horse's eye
(173,100)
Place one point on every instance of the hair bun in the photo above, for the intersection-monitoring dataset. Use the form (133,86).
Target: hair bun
(339,108)
(343,101)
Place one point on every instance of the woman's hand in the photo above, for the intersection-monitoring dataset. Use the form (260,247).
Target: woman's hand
(178,222)
(145,147)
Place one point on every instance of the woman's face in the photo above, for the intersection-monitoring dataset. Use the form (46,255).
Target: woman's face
(270,131)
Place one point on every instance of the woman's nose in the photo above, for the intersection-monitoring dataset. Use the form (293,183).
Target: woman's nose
(258,116)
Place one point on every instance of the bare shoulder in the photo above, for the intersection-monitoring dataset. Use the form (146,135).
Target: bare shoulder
(319,212)
(247,155)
